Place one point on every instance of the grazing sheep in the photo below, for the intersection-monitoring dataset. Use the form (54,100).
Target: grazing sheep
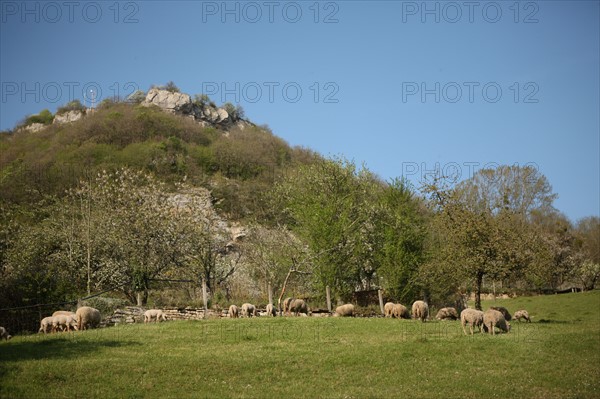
(472,316)
(286,304)
(46,325)
(154,314)
(87,317)
(504,312)
(447,314)
(346,310)
(298,306)
(233,312)
(400,311)
(494,318)
(62,322)
(63,313)
(248,310)
(271,311)
(4,334)
(420,310)
(387,309)
(522,314)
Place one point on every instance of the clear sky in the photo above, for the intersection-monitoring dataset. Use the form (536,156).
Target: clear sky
(404,87)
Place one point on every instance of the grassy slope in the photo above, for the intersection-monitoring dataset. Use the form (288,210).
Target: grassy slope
(556,356)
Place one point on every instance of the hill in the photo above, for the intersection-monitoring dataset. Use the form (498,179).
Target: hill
(235,159)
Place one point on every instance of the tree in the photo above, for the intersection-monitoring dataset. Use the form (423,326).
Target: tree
(271,253)
(362,231)
(483,221)
(587,233)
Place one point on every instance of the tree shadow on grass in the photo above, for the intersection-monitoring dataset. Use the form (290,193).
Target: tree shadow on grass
(61,347)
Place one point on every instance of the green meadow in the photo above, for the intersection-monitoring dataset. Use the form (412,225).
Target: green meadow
(555,356)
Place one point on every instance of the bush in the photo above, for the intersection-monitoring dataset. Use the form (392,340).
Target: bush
(74,105)
(136,97)
(45,117)
(106,305)
(170,86)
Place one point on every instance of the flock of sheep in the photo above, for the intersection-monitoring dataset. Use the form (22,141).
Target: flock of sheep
(291,307)
(86,317)
(488,321)
(64,320)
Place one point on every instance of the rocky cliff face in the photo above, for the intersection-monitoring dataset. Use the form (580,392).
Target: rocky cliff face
(67,117)
(181,103)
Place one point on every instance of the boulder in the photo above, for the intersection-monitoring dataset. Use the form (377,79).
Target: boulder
(169,101)
(69,116)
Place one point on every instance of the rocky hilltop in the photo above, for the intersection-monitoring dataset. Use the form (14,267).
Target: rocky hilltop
(205,113)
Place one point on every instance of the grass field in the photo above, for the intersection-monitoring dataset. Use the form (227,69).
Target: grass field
(556,356)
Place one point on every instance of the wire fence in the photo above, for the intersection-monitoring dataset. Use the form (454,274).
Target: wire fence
(26,318)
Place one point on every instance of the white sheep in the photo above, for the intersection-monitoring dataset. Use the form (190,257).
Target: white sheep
(420,310)
(298,306)
(271,310)
(87,317)
(447,314)
(233,312)
(400,311)
(493,318)
(248,310)
(4,334)
(63,313)
(46,325)
(504,312)
(286,304)
(387,309)
(154,314)
(472,316)
(522,314)
(346,310)
(62,322)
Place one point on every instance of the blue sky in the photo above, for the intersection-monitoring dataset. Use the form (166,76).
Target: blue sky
(405,87)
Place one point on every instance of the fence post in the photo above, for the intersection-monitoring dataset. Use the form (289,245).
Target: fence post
(328,294)
(204,298)
(381,301)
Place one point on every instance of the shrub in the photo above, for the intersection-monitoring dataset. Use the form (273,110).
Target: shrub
(74,105)
(45,117)
(171,87)
(136,97)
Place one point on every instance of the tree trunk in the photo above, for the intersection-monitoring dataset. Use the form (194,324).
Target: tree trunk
(478,291)
(142,298)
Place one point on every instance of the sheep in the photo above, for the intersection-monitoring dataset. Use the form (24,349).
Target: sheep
(87,317)
(4,334)
(62,322)
(400,311)
(420,310)
(522,314)
(46,325)
(248,310)
(298,306)
(233,312)
(473,317)
(346,310)
(271,311)
(504,312)
(494,318)
(387,309)
(154,314)
(63,313)
(286,304)
(447,314)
